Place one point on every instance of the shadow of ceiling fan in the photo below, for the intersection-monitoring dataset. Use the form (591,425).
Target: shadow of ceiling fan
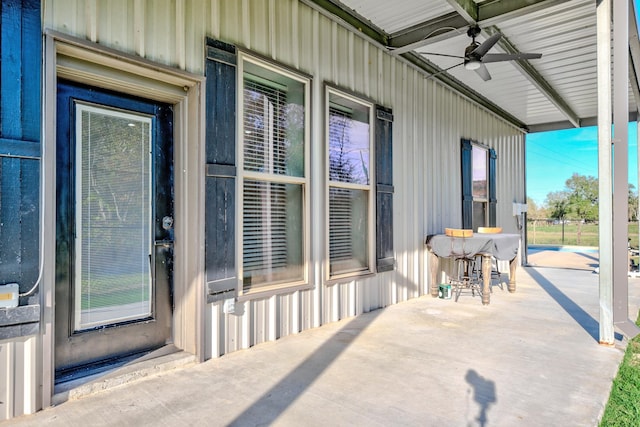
(476,54)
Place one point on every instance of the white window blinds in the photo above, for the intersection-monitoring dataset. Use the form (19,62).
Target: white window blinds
(273,235)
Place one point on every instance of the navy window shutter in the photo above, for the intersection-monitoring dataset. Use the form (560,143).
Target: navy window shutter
(467,184)
(220,181)
(385,260)
(492,187)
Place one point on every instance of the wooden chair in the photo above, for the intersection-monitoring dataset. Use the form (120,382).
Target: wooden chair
(465,274)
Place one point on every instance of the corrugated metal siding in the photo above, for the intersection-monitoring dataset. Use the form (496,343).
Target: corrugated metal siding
(429,122)
(18,385)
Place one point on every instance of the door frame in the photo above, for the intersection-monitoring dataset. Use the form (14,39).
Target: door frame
(89,63)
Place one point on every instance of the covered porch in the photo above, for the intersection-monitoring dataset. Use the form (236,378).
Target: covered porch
(531,358)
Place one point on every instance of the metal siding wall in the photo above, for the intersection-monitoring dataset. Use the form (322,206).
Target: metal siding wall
(429,122)
(18,385)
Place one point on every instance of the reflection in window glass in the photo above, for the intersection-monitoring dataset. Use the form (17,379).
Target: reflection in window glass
(349,144)
(349,147)
(273,127)
(479,162)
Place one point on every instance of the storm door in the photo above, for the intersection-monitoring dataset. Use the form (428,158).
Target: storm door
(114,227)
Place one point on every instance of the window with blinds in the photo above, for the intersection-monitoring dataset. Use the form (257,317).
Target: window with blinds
(350,204)
(273,204)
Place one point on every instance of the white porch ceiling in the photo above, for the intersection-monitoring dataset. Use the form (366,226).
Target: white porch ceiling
(556,91)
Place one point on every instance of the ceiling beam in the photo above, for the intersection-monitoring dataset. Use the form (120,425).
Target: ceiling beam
(584,122)
(536,79)
(440,28)
(488,13)
(468,9)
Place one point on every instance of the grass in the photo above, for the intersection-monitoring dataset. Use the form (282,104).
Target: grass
(549,234)
(623,407)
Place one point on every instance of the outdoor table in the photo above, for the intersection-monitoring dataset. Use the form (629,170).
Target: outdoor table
(502,246)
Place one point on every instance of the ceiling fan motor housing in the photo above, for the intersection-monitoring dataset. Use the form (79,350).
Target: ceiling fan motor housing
(471,61)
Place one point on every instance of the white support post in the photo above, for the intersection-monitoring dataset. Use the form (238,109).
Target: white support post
(603,15)
(621,170)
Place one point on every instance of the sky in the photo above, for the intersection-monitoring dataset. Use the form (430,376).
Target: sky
(553,157)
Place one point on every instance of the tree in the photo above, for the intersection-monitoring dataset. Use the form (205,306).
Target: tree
(558,204)
(583,199)
(535,213)
(633,203)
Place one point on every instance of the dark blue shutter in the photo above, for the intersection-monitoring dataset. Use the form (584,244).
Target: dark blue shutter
(220,184)
(385,260)
(20,112)
(467,185)
(492,187)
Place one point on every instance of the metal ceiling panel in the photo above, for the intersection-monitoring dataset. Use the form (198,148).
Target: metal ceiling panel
(397,15)
(559,87)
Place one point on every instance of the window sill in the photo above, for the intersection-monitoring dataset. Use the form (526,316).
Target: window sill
(19,321)
(344,279)
(269,291)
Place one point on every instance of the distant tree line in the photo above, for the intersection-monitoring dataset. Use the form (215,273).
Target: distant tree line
(578,201)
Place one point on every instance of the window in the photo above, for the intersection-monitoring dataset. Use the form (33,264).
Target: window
(478,185)
(274,187)
(350,197)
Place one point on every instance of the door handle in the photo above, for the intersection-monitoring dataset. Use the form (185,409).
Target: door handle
(164,243)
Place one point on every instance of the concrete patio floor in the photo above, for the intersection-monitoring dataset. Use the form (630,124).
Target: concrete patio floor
(530,358)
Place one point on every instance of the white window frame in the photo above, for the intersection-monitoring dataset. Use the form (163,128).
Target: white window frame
(370,188)
(242,175)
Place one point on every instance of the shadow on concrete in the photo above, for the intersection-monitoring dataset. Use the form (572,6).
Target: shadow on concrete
(267,409)
(591,257)
(583,318)
(484,394)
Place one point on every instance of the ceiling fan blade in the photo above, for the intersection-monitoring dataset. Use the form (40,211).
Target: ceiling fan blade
(441,54)
(498,57)
(443,71)
(483,73)
(486,45)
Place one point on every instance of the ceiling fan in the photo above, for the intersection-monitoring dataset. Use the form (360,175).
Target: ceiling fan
(475,55)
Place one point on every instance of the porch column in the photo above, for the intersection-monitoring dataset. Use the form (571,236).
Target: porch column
(605,208)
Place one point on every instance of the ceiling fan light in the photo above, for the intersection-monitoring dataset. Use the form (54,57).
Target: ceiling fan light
(472,64)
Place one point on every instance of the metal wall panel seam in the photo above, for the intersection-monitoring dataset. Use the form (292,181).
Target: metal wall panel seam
(180,34)
(139,29)
(19,385)
(295,40)
(214,17)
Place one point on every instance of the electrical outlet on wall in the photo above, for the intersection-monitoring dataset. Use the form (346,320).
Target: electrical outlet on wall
(9,295)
